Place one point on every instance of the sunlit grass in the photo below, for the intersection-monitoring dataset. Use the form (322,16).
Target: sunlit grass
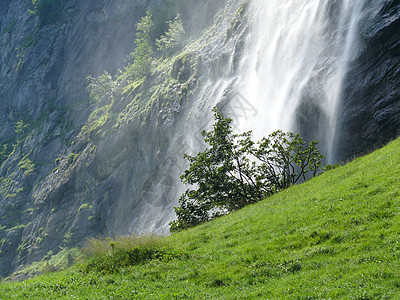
(334,237)
(95,247)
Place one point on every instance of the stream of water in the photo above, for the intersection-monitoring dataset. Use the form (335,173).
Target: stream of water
(290,77)
(297,55)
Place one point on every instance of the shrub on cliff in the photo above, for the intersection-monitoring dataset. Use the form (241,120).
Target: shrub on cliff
(142,56)
(172,39)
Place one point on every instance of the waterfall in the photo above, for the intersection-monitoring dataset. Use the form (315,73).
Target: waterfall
(289,76)
(297,55)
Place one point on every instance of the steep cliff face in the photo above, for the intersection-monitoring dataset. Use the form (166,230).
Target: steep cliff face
(371,102)
(72,167)
(43,89)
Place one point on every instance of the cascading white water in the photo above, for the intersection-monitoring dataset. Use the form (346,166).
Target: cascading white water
(289,77)
(296,60)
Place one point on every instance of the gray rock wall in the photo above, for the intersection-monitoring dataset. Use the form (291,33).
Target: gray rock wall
(62,184)
(43,74)
(371,102)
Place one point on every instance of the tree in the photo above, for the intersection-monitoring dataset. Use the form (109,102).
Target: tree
(224,179)
(285,159)
(143,54)
(223,175)
(102,87)
(172,38)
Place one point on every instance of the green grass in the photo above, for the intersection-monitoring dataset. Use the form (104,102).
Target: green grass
(51,263)
(334,237)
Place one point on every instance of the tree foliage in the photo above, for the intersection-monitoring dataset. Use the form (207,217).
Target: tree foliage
(234,171)
(142,56)
(172,38)
(222,174)
(169,9)
(102,87)
(285,159)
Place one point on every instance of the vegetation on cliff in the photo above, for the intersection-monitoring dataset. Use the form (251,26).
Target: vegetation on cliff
(62,143)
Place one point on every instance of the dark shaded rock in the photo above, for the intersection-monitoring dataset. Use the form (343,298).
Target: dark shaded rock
(371,99)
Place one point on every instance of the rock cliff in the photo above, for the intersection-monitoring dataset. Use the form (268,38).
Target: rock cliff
(72,168)
(43,89)
(371,102)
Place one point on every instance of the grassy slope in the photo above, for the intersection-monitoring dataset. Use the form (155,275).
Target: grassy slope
(336,236)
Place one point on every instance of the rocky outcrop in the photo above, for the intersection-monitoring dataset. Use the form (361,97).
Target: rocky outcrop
(371,101)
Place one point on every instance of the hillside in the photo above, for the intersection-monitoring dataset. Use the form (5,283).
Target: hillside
(336,236)
(103,157)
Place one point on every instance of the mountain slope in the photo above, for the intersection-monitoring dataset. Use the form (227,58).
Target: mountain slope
(336,236)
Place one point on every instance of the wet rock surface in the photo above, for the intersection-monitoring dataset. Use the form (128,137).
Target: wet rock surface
(62,184)
(43,72)
(371,100)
